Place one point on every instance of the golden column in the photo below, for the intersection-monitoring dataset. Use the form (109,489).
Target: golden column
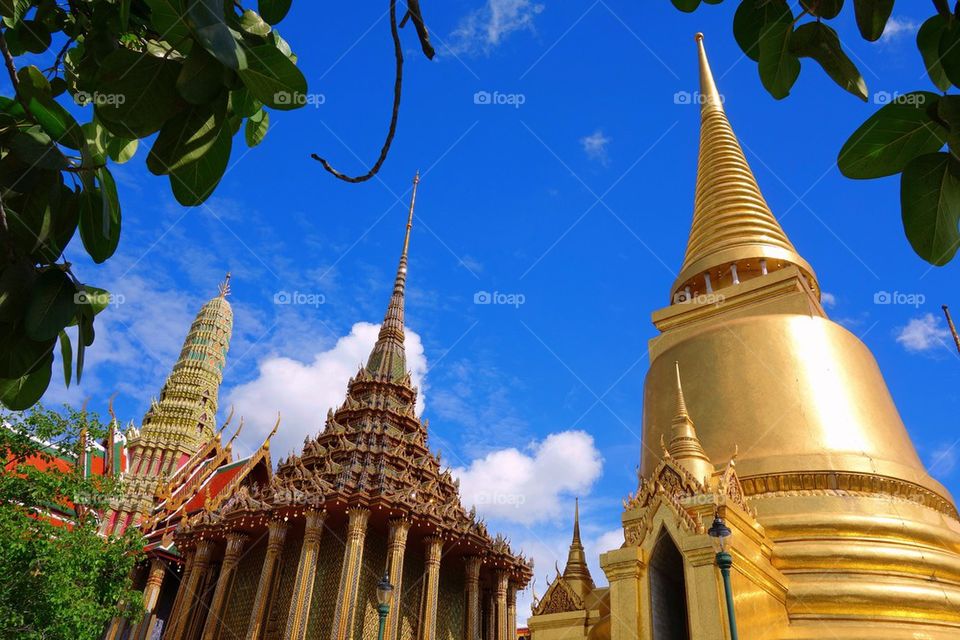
(473,597)
(231,557)
(151,592)
(350,574)
(491,616)
(277,534)
(431,584)
(501,607)
(188,557)
(511,610)
(396,546)
(306,573)
(190,589)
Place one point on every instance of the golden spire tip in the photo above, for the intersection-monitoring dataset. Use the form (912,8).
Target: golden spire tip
(698,37)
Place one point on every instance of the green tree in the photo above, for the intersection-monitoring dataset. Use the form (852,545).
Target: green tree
(192,73)
(915,135)
(59,582)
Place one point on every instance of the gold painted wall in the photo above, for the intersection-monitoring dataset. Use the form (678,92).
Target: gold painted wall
(451,603)
(412,587)
(237,611)
(329,559)
(374,562)
(283,591)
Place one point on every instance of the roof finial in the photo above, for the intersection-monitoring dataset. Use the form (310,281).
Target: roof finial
(733,229)
(684,445)
(225,286)
(576,520)
(681,402)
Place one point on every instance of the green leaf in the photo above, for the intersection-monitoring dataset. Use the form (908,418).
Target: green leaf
(52,305)
(168,20)
(100,217)
(53,118)
(19,355)
(949,50)
(872,16)
(892,137)
(779,67)
(273,79)
(66,357)
(210,28)
(31,215)
(33,36)
(928,42)
(257,126)
(930,206)
(22,393)
(120,149)
(687,6)
(242,103)
(138,93)
(14,10)
(252,23)
(818,41)
(187,137)
(826,9)
(273,11)
(201,77)
(16,281)
(192,184)
(35,148)
(748,23)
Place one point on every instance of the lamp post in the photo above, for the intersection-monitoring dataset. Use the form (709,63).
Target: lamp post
(384,596)
(719,534)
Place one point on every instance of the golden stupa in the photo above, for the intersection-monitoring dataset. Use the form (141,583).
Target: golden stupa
(783,426)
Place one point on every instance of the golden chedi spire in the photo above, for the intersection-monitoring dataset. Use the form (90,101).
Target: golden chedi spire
(388,358)
(576,572)
(734,235)
(684,445)
(184,417)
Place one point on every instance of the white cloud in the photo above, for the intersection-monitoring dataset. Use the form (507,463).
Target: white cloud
(828,300)
(943,460)
(513,485)
(303,391)
(898,27)
(595,146)
(483,29)
(923,333)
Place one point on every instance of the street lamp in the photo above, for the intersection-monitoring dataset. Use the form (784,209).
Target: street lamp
(719,534)
(384,596)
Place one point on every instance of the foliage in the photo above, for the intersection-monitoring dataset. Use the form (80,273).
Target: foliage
(58,582)
(916,135)
(189,72)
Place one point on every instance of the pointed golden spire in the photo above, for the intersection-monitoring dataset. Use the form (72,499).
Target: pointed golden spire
(388,357)
(734,235)
(576,572)
(684,445)
(225,286)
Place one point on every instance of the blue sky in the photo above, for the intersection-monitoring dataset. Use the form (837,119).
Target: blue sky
(571,190)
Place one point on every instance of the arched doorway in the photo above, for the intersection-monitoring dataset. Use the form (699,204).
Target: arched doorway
(668,591)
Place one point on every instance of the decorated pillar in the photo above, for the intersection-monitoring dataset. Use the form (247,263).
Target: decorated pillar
(190,589)
(231,557)
(491,618)
(431,587)
(511,610)
(396,547)
(277,534)
(350,575)
(501,606)
(473,598)
(306,574)
(151,592)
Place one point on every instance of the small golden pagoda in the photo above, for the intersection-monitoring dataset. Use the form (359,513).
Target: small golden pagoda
(838,529)
(300,556)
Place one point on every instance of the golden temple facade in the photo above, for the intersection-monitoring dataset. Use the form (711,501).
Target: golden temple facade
(300,554)
(782,425)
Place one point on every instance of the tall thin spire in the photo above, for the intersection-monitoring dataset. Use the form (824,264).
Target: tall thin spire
(225,286)
(388,358)
(576,569)
(734,234)
(684,445)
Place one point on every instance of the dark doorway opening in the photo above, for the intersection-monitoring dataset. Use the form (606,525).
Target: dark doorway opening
(668,591)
